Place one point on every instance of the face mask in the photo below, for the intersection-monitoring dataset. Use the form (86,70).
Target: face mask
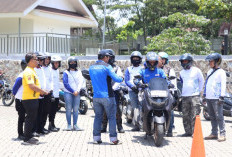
(72,66)
(136,62)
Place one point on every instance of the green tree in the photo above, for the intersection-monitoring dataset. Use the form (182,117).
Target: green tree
(128,33)
(183,37)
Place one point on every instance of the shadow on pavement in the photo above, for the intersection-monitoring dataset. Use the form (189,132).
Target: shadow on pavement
(149,141)
(103,143)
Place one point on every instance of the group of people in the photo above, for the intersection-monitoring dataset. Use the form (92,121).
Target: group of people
(36,91)
(39,82)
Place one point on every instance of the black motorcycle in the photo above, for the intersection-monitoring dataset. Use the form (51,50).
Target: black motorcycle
(5,92)
(156,110)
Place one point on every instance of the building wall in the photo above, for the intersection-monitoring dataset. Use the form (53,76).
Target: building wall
(45,25)
(10,25)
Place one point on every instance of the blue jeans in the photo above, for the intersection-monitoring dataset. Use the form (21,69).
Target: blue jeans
(71,103)
(109,105)
(171,122)
(216,116)
(136,108)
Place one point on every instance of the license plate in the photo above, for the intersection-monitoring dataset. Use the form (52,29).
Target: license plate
(159,93)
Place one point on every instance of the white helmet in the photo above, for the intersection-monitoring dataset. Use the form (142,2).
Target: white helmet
(56,58)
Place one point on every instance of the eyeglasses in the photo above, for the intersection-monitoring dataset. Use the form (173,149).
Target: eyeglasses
(36,59)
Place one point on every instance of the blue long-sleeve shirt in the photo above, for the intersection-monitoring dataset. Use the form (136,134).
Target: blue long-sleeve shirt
(98,73)
(66,83)
(17,85)
(148,74)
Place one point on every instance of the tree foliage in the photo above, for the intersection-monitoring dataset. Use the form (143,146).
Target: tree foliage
(128,33)
(183,37)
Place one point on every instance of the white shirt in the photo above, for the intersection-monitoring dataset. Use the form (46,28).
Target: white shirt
(216,84)
(42,79)
(116,85)
(19,93)
(48,76)
(56,82)
(193,81)
(75,80)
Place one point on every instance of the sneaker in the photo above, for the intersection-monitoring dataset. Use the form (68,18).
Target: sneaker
(211,137)
(30,142)
(221,138)
(97,142)
(69,128)
(169,134)
(21,137)
(117,142)
(121,130)
(34,139)
(35,134)
(76,128)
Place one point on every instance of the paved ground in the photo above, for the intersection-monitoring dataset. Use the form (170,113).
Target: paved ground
(80,143)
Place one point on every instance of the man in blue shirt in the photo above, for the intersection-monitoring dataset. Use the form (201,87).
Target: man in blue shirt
(98,73)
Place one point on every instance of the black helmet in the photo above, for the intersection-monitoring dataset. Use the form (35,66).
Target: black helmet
(136,62)
(102,53)
(189,58)
(23,64)
(216,57)
(72,66)
(112,56)
(151,56)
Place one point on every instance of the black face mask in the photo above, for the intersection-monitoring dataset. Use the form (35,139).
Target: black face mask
(136,62)
(72,66)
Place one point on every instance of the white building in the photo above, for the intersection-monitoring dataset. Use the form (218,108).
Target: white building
(41,25)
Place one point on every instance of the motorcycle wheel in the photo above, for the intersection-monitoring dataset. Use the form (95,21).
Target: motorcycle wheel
(8,101)
(206,114)
(129,121)
(159,135)
(83,107)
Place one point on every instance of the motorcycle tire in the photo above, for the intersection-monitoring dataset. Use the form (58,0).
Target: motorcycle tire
(8,102)
(83,108)
(206,114)
(129,121)
(159,135)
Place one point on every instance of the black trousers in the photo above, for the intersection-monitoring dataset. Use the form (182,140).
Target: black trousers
(22,113)
(46,108)
(118,114)
(53,110)
(39,121)
(31,107)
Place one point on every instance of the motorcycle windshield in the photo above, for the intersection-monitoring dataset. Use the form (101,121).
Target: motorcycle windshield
(158,84)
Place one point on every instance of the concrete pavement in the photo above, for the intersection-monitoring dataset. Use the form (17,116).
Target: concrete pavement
(79,143)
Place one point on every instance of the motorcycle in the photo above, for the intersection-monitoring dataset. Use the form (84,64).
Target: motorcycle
(83,107)
(156,110)
(5,92)
(124,103)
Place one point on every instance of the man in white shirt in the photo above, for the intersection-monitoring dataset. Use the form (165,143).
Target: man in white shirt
(56,63)
(47,98)
(193,82)
(215,91)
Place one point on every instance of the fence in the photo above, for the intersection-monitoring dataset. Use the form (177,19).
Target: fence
(46,42)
